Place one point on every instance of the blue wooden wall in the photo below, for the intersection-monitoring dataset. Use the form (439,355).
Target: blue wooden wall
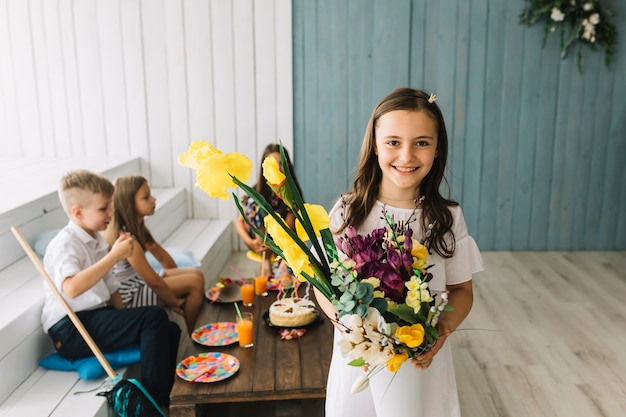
(537,149)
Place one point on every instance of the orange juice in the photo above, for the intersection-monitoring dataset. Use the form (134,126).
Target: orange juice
(247,292)
(260,286)
(245,330)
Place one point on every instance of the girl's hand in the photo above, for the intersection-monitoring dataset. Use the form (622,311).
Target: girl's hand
(258,246)
(176,305)
(123,247)
(424,360)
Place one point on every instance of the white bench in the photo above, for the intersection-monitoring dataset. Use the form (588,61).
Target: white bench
(25,388)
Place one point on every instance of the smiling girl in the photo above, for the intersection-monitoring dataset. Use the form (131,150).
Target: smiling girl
(402,163)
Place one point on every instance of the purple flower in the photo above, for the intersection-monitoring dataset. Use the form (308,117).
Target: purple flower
(408,242)
(344,246)
(394,258)
(391,281)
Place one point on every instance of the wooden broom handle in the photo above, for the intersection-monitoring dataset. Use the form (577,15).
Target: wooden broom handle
(79,325)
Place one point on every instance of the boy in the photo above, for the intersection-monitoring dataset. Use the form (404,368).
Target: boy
(79,261)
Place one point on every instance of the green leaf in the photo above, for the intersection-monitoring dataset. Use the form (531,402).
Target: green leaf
(431,332)
(301,214)
(258,198)
(361,310)
(357,362)
(379,304)
(406,313)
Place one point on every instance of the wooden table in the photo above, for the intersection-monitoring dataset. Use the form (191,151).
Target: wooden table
(272,370)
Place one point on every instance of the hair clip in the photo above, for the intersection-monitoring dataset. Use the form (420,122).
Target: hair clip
(432,98)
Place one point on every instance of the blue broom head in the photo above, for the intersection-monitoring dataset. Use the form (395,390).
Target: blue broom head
(128,398)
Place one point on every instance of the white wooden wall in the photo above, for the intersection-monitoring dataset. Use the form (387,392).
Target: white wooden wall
(85,78)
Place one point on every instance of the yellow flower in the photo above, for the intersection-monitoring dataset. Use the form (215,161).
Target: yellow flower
(319,220)
(394,363)
(379,294)
(214,169)
(420,256)
(198,152)
(419,251)
(412,336)
(295,257)
(417,294)
(372,280)
(272,172)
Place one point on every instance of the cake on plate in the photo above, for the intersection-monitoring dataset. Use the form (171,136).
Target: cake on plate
(291,312)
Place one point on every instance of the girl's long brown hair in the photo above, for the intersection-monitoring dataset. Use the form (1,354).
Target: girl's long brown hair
(369,175)
(124,213)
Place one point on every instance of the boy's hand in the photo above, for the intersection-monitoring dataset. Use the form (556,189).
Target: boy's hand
(123,247)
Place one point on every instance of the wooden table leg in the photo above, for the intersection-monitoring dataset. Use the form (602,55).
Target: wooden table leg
(183,410)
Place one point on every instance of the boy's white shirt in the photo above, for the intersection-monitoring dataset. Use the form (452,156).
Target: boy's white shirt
(71,251)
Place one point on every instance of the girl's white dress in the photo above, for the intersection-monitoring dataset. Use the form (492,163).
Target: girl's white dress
(440,397)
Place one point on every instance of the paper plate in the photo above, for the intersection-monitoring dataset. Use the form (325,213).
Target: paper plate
(207,367)
(230,293)
(216,334)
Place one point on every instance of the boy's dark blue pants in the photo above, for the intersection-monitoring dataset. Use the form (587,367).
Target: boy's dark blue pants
(112,329)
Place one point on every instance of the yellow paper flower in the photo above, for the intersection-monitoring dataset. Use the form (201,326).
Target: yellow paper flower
(214,169)
(272,172)
(412,336)
(295,257)
(319,220)
(395,362)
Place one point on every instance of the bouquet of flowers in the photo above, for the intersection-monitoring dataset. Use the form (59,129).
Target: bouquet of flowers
(378,283)
(587,19)
(386,308)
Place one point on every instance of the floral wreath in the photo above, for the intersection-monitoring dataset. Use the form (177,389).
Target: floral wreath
(584,22)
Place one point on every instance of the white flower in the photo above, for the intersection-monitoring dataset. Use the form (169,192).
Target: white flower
(588,6)
(557,15)
(360,384)
(590,31)
(354,326)
(594,19)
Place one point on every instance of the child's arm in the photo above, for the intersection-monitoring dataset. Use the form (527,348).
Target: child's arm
(255,244)
(461,298)
(82,281)
(116,300)
(326,306)
(161,255)
(290,219)
(139,262)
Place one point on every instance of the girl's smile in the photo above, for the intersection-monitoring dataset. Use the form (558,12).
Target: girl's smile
(406,146)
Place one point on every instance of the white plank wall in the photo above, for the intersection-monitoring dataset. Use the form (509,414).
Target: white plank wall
(144,78)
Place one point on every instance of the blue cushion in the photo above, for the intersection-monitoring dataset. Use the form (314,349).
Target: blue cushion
(41,241)
(183,258)
(90,368)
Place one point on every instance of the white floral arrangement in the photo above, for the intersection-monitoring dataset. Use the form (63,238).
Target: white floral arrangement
(584,22)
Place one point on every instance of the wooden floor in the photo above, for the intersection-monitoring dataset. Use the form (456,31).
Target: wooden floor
(546,338)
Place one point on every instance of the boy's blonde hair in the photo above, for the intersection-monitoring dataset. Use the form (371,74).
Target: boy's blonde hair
(78,187)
